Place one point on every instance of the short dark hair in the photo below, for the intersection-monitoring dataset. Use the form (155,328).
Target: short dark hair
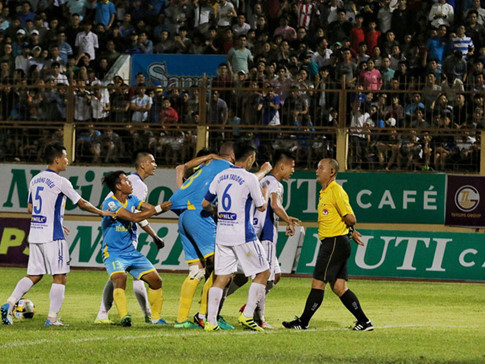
(53,151)
(112,179)
(226,149)
(139,156)
(242,150)
(281,155)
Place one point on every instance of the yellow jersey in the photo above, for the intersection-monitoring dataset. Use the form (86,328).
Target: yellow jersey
(333,205)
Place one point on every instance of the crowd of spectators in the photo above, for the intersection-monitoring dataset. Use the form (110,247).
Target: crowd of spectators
(412,63)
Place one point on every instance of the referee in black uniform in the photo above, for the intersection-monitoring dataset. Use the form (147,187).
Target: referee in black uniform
(335,222)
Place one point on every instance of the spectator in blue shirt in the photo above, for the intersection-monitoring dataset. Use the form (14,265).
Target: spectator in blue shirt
(105,13)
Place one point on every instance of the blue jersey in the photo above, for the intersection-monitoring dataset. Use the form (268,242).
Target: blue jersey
(191,193)
(119,234)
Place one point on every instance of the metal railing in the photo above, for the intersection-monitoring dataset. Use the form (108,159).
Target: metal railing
(362,129)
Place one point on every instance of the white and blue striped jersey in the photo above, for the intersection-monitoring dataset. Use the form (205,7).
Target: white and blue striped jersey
(235,189)
(47,194)
(463,44)
(266,222)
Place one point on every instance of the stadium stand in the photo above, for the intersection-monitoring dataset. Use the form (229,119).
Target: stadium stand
(405,78)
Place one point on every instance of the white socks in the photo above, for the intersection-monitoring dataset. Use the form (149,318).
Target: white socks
(106,300)
(56,297)
(142,297)
(22,287)
(256,293)
(215,295)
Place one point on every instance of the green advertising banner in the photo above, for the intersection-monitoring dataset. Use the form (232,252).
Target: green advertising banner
(375,197)
(407,254)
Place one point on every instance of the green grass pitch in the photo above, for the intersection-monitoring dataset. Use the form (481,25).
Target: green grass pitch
(416,322)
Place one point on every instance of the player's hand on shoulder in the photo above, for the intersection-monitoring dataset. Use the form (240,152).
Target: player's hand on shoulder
(356,237)
(159,242)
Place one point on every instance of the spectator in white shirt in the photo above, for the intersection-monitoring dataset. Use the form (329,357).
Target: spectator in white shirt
(441,13)
(87,42)
(141,104)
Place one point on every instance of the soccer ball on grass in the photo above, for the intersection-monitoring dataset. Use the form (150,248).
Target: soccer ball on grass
(24,308)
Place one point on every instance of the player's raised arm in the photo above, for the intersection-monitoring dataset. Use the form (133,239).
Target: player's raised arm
(264,170)
(182,169)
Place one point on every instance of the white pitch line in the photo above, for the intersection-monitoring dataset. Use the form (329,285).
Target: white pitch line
(194,333)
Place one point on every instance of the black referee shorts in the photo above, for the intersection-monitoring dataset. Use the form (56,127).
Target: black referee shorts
(332,259)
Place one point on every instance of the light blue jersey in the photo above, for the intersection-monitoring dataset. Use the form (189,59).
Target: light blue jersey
(119,234)
(190,195)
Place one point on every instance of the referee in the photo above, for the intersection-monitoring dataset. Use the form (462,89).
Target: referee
(335,221)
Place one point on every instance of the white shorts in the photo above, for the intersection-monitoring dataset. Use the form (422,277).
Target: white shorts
(250,256)
(48,258)
(270,253)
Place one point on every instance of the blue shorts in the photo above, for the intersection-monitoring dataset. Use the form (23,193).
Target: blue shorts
(133,262)
(197,232)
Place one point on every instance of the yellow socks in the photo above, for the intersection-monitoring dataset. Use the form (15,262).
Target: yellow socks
(205,294)
(186,297)
(119,297)
(156,301)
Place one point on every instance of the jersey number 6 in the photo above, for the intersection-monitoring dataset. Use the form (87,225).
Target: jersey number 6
(226,198)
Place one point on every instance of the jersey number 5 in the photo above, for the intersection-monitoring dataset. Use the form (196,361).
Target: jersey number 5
(38,200)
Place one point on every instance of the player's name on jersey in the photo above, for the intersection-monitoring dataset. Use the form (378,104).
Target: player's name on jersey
(232,177)
(44,180)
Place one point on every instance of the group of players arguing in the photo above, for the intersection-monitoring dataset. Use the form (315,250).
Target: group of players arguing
(241,244)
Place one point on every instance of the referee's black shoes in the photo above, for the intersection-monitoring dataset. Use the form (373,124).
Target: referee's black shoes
(363,326)
(295,324)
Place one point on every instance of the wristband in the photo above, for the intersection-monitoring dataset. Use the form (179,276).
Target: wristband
(143,223)
(349,234)
(158,209)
